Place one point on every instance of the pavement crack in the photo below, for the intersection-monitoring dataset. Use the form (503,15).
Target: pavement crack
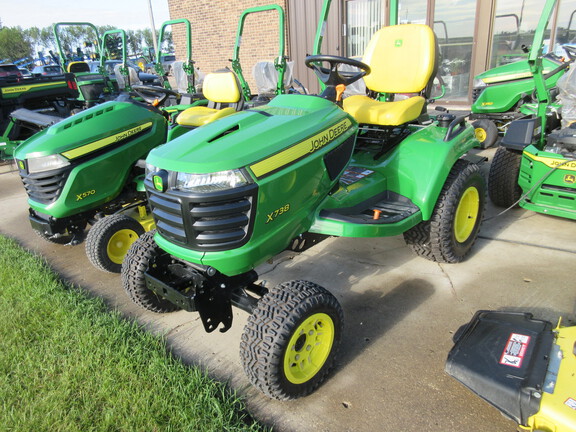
(528,244)
(277,263)
(175,329)
(452,287)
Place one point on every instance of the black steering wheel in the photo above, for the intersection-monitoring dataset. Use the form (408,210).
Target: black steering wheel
(332,76)
(151,94)
(570,52)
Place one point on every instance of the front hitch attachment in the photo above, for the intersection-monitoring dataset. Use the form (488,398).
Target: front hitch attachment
(209,293)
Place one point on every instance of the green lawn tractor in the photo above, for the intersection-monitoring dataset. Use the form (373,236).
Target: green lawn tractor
(186,80)
(94,87)
(124,77)
(535,165)
(29,106)
(231,195)
(500,93)
(523,366)
(87,167)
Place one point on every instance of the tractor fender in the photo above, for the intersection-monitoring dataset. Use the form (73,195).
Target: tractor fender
(419,166)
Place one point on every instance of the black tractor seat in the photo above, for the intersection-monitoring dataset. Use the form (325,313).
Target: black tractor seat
(36,118)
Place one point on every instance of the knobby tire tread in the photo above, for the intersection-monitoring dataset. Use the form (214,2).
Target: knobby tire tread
(268,332)
(434,239)
(133,268)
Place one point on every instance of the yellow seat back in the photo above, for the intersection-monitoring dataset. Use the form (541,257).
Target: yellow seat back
(402,59)
(221,87)
(78,67)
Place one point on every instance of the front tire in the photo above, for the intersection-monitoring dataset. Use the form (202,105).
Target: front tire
(450,233)
(109,240)
(503,188)
(136,262)
(486,132)
(290,341)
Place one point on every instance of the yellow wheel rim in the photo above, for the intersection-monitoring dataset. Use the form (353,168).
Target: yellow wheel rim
(309,348)
(119,244)
(480,134)
(466,214)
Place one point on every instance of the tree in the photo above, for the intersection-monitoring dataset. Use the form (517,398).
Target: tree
(14,44)
(168,41)
(134,41)
(147,36)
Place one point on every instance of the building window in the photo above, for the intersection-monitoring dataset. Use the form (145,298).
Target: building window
(514,26)
(412,11)
(566,27)
(363,19)
(454,23)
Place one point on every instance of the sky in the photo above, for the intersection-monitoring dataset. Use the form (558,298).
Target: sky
(122,14)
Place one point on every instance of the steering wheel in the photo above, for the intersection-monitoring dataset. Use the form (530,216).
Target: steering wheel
(151,94)
(570,52)
(332,76)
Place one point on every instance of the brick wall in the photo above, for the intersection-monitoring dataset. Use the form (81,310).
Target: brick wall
(214,25)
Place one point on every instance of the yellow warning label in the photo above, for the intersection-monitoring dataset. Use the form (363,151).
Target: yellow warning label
(97,145)
(25,88)
(301,149)
(569,165)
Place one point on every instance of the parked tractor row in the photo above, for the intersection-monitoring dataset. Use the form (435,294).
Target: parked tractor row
(187,193)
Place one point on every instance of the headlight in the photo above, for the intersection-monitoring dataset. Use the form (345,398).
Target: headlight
(150,169)
(211,182)
(477,83)
(47,163)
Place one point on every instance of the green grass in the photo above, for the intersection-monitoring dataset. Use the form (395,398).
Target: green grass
(69,364)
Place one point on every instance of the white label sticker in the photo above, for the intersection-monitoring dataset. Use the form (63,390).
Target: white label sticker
(515,350)
(571,403)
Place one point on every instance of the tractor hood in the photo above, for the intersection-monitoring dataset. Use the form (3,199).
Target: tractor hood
(101,127)
(243,139)
(514,71)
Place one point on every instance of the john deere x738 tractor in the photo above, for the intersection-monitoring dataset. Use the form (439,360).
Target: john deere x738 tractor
(230,195)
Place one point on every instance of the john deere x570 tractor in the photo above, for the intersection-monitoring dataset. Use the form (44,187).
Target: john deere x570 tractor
(230,195)
(500,95)
(535,165)
(86,166)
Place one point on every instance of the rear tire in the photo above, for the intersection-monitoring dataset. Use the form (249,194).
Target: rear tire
(109,240)
(451,231)
(136,262)
(503,188)
(290,341)
(486,132)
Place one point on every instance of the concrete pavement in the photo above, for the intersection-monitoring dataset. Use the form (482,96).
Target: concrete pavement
(400,314)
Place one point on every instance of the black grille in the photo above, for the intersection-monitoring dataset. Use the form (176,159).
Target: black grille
(206,222)
(476,93)
(45,187)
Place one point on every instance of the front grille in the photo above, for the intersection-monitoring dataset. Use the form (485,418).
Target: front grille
(476,93)
(45,187)
(204,221)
